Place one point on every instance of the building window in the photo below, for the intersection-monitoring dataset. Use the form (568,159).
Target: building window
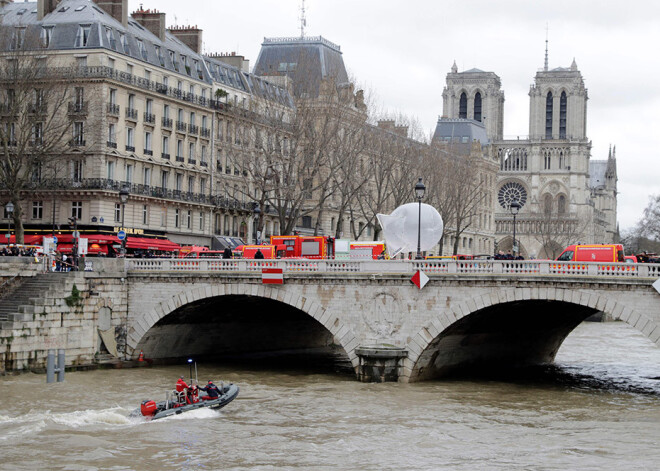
(179,182)
(37,209)
(548,116)
(76,209)
(164,176)
(188,219)
(130,139)
(163,216)
(201,221)
(77,170)
(561,204)
(46,35)
(477,107)
(307,222)
(562,115)
(166,111)
(147,177)
(83,35)
(147,143)
(112,135)
(145,214)
(117,212)
(111,170)
(79,133)
(179,149)
(202,185)
(191,184)
(177,216)
(547,162)
(462,106)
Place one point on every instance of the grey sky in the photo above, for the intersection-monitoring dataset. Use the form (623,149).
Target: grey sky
(402,51)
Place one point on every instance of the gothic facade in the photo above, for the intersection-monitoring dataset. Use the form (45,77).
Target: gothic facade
(564,196)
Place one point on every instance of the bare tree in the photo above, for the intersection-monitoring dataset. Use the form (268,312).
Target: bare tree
(649,225)
(554,231)
(35,123)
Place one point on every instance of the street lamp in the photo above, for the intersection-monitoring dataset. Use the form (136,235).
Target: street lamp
(514,207)
(123,197)
(420,189)
(257,214)
(9,207)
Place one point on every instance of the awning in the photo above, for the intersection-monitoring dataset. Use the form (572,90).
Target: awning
(145,243)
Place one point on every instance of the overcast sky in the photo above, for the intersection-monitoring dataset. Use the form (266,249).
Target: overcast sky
(402,51)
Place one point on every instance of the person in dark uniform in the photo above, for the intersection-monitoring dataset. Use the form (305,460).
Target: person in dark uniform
(226,253)
(212,390)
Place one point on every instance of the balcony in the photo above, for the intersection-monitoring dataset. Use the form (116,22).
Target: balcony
(180,158)
(113,109)
(77,142)
(38,109)
(148,152)
(193,129)
(167,123)
(77,108)
(130,148)
(149,118)
(204,163)
(205,132)
(165,156)
(192,161)
(112,144)
(132,114)
(181,126)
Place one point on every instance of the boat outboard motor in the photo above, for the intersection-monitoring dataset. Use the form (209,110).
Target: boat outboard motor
(148,408)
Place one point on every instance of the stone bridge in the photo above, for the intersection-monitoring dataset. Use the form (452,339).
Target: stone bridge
(471,314)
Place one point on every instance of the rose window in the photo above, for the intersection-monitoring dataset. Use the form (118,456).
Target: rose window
(510,192)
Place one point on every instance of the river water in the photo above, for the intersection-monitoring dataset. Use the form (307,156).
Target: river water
(596,409)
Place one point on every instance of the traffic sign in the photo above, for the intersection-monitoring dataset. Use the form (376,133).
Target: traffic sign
(121,235)
(54,240)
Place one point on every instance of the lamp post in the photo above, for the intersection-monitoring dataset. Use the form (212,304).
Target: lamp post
(514,207)
(9,207)
(420,189)
(257,215)
(123,197)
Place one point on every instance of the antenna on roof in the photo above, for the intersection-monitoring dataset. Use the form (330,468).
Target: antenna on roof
(303,20)
(545,66)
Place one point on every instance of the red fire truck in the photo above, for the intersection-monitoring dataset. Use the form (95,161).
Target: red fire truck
(296,246)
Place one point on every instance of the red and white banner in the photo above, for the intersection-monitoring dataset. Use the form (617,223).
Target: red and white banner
(272,276)
(420,279)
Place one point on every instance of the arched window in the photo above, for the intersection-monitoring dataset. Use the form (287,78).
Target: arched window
(562,116)
(477,107)
(462,106)
(561,204)
(547,204)
(547,161)
(548,116)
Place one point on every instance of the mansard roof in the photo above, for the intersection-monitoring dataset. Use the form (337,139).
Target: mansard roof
(133,41)
(460,130)
(307,61)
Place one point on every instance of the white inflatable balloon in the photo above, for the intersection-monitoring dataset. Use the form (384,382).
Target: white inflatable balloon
(400,228)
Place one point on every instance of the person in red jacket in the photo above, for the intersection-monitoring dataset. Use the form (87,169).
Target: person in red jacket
(181,385)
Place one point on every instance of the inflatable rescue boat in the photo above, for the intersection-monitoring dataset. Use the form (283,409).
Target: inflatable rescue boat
(177,403)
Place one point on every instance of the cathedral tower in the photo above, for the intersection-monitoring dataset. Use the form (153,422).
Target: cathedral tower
(558,104)
(475,94)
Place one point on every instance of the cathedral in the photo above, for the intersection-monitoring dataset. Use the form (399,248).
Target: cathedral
(559,195)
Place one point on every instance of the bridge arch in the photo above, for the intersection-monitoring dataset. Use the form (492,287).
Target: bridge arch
(142,323)
(423,359)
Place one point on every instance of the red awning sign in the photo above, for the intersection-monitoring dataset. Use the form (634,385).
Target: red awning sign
(272,276)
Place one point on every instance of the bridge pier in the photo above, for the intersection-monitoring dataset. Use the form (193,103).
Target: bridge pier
(380,364)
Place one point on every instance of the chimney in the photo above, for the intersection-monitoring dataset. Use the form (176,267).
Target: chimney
(191,36)
(230,58)
(118,9)
(153,20)
(44,7)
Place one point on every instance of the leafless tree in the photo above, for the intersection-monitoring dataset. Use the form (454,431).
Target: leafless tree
(35,124)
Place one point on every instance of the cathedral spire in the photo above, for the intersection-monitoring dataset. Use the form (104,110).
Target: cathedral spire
(303,20)
(454,69)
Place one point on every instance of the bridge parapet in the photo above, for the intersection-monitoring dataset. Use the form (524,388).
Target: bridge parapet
(469,267)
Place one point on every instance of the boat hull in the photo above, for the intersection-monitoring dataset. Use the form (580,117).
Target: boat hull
(168,408)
